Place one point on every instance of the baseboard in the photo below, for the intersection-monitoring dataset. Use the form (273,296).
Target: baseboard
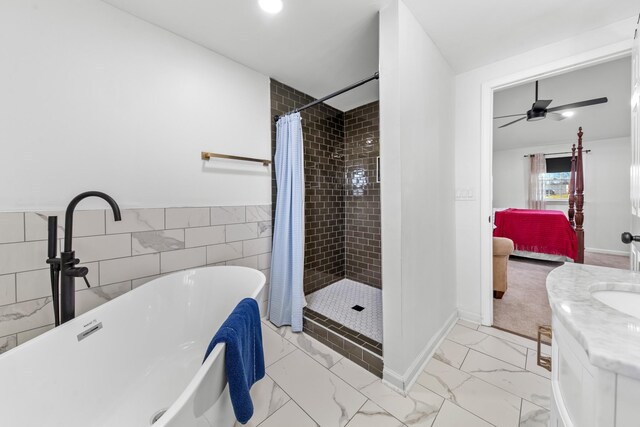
(470,316)
(403,382)
(606,251)
(393,380)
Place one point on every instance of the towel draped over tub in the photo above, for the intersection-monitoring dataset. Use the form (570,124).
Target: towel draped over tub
(244,356)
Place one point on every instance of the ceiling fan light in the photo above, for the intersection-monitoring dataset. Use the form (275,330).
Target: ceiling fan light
(568,114)
(271,6)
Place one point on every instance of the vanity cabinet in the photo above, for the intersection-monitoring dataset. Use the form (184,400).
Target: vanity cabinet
(585,395)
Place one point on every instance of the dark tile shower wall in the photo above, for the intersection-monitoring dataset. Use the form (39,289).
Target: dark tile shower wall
(362,195)
(342,216)
(323,136)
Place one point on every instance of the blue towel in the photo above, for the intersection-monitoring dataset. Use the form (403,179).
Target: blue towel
(244,357)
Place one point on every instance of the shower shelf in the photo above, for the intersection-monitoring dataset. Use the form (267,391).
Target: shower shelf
(204,155)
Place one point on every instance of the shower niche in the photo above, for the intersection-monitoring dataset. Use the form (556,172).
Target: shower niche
(342,261)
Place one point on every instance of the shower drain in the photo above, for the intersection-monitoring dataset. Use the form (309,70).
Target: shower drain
(157,415)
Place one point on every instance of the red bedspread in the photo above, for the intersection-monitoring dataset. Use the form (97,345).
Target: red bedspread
(547,232)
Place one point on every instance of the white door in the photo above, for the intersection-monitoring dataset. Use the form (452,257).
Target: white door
(635,150)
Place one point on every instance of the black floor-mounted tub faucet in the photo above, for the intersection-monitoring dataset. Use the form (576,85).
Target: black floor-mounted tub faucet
(63,290)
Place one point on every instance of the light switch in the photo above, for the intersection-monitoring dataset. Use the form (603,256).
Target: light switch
(465,193)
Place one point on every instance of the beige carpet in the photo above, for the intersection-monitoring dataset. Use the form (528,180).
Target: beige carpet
(525,305)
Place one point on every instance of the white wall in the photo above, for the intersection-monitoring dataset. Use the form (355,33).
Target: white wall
(607,203)
(96,99)
(416,92)
(470,219)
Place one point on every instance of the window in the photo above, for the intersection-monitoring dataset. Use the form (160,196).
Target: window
(556,180)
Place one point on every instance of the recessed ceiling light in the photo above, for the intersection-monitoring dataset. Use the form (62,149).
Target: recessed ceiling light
(271,6)
(568,113)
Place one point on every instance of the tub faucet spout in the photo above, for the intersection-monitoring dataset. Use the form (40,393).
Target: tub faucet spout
(68,219)
(64,301)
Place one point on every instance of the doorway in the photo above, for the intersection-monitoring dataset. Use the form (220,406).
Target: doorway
(532,163)
(486,186)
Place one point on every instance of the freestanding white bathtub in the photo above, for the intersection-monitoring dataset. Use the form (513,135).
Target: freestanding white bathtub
(123,363)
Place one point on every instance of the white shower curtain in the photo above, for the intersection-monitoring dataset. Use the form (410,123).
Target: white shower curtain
(538,167)
(286,296)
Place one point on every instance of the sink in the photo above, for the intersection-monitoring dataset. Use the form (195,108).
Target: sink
(624,301)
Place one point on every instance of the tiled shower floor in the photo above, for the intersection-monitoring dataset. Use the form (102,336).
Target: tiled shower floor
(336,302)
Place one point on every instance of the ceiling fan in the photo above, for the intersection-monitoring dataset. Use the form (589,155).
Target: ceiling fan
(539,109)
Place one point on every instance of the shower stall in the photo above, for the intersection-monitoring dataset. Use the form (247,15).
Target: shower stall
(342,257)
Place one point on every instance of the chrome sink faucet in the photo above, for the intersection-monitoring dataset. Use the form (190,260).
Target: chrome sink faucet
(63,290)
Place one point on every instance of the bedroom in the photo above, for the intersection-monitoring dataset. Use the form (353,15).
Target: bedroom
(531,170)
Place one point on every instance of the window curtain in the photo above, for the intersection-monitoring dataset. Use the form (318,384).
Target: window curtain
(538,167)
(286,295)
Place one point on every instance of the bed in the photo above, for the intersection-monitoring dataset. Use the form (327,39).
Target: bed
(549,234)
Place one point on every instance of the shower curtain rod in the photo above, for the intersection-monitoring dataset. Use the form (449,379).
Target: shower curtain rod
(375,76)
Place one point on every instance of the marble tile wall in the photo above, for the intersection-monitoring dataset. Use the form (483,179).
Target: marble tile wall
(120,255)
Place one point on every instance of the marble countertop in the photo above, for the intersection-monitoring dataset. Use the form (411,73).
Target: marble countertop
(610,338)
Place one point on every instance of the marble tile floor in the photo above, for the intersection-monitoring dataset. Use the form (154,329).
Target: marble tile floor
(479,377)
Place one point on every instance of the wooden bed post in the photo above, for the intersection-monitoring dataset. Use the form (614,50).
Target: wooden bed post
(572,187)
(580,200)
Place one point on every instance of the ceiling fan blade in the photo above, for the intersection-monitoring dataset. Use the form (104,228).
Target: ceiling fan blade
(541,104)
(555,116)
(510,123)
(511,115)
(579,104)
